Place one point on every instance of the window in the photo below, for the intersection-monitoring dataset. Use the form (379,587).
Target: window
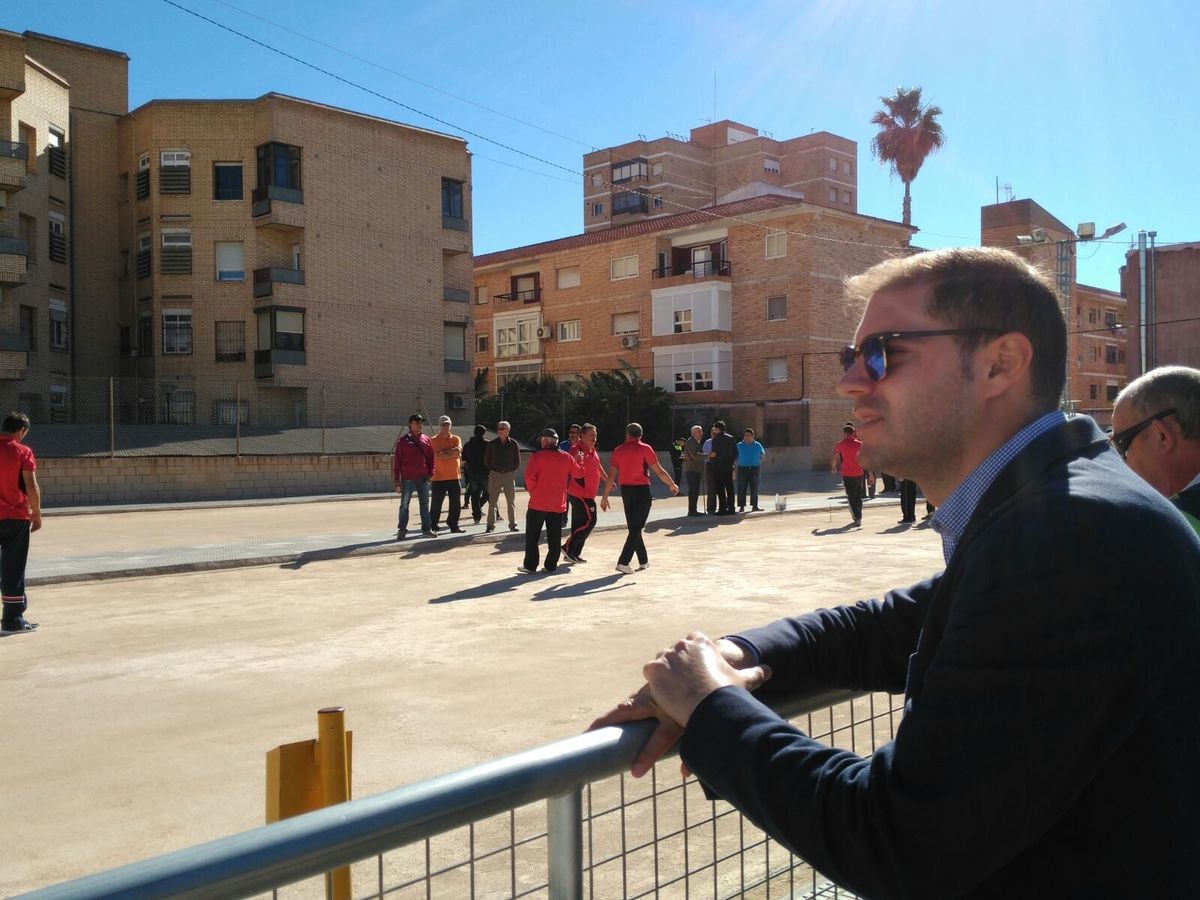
(526,288)
(683,321)
(29,327)
(278,166)
(481,294)
(597,209)
(1110,354)
(845,167)
(776,244)
(58,325)
(1093,354)
(143,255)
(833,166)
(596,181)
(454,343)
(1110,318)
(693,380)
(516,336)
(179,407)
(177,332)
(569,331)
(776,308)
(568,277)
(56,152)
(623,267)
(1091,315)
(770,165)
(176,255)
(452,199)
(656,201)
(230,338)
(833,194)
(27,232)
(628,202)
(227,181)
(231,262)
(656,170)
(58,237)
(289,329)
(175,172)
(142,182)
(626,171)
(481,343)
(845,198)
(626,323)
(295,257)
(1093,392)
(505,374)
(58,397)
(225,411)
(28,137)
(776,369)
(1110,392)
(145,345)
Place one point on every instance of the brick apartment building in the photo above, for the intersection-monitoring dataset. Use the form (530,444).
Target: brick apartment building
(1172,290)
(1096,338)
(264,261)
(720,163)
(737,308)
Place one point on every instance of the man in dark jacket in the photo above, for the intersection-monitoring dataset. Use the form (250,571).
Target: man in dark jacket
(476,472)
(502,458)
(412,472)
(724,457)
(1051,673)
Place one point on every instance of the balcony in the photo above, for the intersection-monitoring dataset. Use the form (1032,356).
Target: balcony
(265,281)
(13,158)
(266,361)
(277,207)
(14,355)
(13,253)
(531,296)
(711,268)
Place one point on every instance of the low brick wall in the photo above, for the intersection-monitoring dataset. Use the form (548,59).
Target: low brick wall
(88,481)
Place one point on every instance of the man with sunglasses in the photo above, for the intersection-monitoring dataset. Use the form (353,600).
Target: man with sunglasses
(1156,424)
(1051,687)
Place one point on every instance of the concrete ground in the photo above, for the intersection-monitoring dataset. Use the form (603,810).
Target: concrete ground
(137,719)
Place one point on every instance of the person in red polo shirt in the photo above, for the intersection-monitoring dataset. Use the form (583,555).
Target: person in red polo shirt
(845,460)
(20,514)
(630,466)
(581,493)
(546,478)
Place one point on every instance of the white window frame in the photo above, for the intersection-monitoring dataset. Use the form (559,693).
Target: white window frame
(570,330)
(179,237)
(144,162)
(776,244)
(770,165)
(682,320)
(229,274)
(623,267)
(175,158)
(777,372)
(833,195)
(629,318)
(597,209)
(846,167)
(515,336)
(833,164)
(178,317)
(567,277)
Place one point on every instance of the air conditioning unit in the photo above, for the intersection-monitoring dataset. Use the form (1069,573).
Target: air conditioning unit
(545,333)
(629,341)
(457,401)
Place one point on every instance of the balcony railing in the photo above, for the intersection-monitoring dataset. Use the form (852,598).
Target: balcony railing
(266,279)
(532,296)
(705,269)
(14,150)
(566,808)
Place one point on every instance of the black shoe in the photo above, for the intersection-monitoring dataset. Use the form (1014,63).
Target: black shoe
(549,568)
(20,626)
(401,534)
(756,509)
(513,528)
(907,521)
(489,529)
(457,530)
(430,533)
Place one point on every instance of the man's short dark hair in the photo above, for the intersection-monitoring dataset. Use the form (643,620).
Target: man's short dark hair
(847,429)
(633,429)
(15,421)
(1167,387)
(720,423)
(480,431)
(571,428)
(985,288)
(749,431)
(585,428)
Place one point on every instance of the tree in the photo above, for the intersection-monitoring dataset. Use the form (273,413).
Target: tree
(908,133)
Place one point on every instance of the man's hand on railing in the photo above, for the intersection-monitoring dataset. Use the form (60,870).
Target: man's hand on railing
(688,659)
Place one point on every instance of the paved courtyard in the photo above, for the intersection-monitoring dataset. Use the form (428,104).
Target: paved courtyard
(138,717)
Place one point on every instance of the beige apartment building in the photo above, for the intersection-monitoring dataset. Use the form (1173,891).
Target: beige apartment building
(720,163)
(268,262)
(738,308)
(1096,318)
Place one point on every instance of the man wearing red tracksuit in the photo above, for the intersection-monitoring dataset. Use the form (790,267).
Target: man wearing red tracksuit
(581,494)
(546,484)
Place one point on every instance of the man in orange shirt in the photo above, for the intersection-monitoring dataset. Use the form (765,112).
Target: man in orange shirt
(845,460)
(20,514)
(447,449)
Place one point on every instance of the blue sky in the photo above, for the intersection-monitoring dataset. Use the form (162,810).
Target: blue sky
(1088,108)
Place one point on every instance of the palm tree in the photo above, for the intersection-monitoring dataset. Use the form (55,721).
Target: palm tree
(908,133)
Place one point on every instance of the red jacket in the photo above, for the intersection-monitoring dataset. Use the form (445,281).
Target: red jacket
(413,458)
(546,479)
(584,485)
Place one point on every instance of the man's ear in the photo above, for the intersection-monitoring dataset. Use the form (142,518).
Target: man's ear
(1006,362)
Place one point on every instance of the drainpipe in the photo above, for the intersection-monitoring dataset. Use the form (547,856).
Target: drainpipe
(1142,301)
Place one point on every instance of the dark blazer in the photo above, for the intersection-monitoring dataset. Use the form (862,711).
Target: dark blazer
(1052,703)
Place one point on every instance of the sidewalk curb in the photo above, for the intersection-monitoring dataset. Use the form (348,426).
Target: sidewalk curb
(395,547)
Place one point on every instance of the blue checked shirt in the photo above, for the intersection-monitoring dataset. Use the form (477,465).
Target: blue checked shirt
(951,518)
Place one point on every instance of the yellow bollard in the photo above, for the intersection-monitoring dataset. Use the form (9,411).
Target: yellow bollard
(309,775)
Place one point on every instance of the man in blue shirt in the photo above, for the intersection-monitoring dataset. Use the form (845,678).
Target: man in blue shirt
(750,455)
(1051,672)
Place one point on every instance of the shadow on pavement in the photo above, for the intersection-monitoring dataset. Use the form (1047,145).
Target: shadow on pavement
(841,529)
(482,591)
(328,553)
(569,589)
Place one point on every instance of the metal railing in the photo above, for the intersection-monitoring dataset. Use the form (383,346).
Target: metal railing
(704,269)
(14,150)
(531,296)
(561,820)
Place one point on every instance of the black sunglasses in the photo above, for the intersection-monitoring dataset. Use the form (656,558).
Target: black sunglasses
(1123,439)
(873,349)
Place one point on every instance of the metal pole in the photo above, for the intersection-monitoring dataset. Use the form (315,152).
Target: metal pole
(335,783)
(564,845)
(1142,302)
(112,426)
(237,419)
(1152,305)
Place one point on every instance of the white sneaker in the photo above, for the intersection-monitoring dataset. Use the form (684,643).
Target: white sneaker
(524,571)
(644,565)
(624,570)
